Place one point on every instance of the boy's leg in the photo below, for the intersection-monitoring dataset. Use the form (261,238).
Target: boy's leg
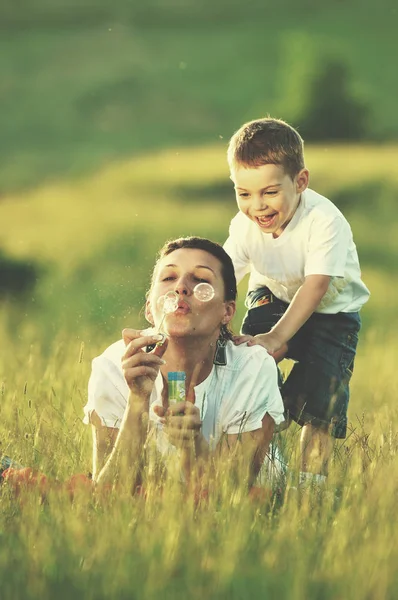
(316,446)
(316,392)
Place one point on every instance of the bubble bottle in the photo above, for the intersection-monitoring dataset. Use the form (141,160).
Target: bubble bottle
(176,386)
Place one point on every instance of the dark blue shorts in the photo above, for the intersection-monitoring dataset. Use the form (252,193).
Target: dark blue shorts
(317,388)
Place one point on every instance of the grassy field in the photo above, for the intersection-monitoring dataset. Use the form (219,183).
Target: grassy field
(95,240)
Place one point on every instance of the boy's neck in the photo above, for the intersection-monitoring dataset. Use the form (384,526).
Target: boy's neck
(280,231)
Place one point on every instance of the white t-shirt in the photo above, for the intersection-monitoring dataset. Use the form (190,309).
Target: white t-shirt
(317,241)
(232,399)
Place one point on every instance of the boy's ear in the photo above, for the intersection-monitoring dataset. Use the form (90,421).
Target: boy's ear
(302,180)
(230,310)
(148,313)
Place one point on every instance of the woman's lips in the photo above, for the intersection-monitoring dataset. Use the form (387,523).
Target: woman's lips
(183,308)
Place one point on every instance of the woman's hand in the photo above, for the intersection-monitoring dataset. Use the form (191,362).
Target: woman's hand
(141,368)
(181,423)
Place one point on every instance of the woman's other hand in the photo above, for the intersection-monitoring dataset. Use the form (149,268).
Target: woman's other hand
(181,422)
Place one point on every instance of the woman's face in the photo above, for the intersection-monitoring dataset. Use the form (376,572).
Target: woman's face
(180,272)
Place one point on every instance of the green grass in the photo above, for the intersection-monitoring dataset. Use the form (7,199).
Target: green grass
(96,239)
(118,547)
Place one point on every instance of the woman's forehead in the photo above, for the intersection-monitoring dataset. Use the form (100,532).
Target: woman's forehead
(191,258)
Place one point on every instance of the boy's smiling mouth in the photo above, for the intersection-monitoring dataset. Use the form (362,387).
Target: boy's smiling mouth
(266,221)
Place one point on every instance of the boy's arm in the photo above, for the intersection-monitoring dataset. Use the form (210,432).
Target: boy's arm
(304,303)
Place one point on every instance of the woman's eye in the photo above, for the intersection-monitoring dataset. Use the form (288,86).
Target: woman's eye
(201,280)
(168,278)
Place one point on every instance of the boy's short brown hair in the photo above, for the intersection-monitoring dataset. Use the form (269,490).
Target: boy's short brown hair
(267,141)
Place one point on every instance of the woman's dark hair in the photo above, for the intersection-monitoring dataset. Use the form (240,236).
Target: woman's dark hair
(198,243)
(227,267)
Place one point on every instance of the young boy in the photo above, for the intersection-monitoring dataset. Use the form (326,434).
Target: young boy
(305,287)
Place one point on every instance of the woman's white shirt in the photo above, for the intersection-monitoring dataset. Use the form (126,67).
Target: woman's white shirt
(233,399)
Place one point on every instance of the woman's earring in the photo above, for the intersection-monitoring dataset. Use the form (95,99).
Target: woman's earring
(220,357)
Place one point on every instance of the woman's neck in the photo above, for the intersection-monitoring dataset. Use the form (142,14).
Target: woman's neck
(192,355)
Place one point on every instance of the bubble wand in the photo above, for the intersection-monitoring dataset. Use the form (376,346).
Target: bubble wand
(169,303)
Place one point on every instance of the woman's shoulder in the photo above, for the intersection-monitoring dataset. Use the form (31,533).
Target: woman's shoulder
(112,354)
(107,375)
(246,357)
(249,389)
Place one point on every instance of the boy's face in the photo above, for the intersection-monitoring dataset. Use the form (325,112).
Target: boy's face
(267,195)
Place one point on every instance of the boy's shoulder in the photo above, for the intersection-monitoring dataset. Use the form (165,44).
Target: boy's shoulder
(242,227)
(316,204)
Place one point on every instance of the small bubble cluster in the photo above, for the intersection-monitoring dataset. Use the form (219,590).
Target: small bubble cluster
(168,303)
(204,292)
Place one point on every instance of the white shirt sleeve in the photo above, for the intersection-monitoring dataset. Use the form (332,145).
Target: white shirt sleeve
(107,392)
(236,250)
(328,247)
(253,393)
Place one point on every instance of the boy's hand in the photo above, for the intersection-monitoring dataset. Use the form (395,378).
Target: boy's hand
(241,339)
(269,341)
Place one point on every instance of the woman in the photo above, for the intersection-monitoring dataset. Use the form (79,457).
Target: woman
(233,401)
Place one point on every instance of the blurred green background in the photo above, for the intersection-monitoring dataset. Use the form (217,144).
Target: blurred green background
(114,124)
(86,82)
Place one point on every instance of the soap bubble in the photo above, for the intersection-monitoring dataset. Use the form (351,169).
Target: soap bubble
(168,303)
(203,292)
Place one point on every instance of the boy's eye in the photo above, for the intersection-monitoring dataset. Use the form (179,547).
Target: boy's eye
(270,193)
(243,195)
